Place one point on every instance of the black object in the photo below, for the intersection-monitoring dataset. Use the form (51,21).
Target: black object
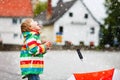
(26,76)
(79,54)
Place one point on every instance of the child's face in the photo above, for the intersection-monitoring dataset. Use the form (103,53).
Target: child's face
(35,26)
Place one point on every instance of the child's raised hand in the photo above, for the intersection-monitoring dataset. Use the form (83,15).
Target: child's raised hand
(48,44)
(43,41)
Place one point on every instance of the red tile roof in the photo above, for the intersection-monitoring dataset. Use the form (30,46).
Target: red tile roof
(16,8)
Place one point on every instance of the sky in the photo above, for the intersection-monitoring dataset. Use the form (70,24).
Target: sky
(95,6)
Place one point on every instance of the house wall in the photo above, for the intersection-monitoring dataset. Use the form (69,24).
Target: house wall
(77,28)
(47,33)
(10,32)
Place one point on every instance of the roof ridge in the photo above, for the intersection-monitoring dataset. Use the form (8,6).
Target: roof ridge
(63,8)
(59,9)
(90,12)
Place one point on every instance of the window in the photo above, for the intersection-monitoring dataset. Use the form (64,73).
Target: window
(71,14)
(92,30)
(86,16)
(15,35)
(20,20)
(14,21)
(61,29)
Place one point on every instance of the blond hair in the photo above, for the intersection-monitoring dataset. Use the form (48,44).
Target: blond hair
(25,26)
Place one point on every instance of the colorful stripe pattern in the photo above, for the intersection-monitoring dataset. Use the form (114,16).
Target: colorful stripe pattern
(31,54)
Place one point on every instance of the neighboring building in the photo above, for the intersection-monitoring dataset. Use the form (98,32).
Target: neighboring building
(71,21)
(12,13)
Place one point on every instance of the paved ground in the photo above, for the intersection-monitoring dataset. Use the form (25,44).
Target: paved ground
(60,65)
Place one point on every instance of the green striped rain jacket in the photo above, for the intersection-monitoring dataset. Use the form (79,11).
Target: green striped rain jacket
(31,56)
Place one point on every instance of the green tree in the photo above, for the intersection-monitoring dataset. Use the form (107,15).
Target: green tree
(40,7)
(112,21)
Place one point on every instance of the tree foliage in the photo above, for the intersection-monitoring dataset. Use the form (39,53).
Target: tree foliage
(111,29)
(40,7)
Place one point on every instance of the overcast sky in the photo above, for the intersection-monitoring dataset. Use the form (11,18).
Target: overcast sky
(95,6)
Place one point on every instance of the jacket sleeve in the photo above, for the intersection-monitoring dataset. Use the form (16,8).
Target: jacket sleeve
(34,48)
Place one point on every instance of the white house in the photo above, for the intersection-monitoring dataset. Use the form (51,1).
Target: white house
(12,13)
(77,25)
(73,22)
